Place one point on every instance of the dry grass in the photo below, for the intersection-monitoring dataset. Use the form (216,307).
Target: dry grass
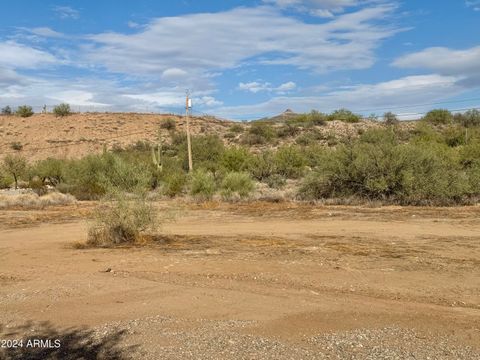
(33,201)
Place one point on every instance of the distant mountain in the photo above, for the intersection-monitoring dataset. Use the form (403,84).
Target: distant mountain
(280,118)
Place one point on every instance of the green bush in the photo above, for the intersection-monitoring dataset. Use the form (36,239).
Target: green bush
(262,165)
(312,118)
(290,162)
(24,111)
(309,138)
(344,115)
(15,166)
(259,133)
(51,171)
(7,110)
(276,181)
(202,185)
(92,176)
(236,185)
(438,117)
(288,130)
(121,219)
(207,151)
(470,118)
(390,119)
(62,110)
(383,169)
(236,128)
(173,183)
(168,124)
(235,159)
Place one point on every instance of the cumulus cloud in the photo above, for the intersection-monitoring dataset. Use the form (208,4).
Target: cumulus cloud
(256,86)
(201,43)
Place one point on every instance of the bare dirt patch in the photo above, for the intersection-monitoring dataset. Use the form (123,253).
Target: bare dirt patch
(256,280)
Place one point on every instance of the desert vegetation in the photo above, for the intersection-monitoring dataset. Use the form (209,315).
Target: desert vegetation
(434,162)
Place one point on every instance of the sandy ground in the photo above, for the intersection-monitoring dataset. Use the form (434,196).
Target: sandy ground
(249,281)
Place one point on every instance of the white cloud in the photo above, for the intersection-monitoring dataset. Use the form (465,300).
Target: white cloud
(66,12)
(173,74)
(443,60)
(363,97)
(15,55)
(206,42)
(286,87)
(76,97)
(255,86)
(133,25)
(46,32)
(474,4)
(207,101)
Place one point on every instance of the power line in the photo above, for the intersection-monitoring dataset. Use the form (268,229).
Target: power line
(418,105)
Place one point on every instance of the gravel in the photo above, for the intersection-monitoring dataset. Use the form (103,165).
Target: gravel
(168,338)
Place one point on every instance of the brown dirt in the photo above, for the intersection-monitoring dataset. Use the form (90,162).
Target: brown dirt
(77,135)
(288,270)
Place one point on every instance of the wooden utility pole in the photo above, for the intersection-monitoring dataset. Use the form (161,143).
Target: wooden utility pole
(189,143)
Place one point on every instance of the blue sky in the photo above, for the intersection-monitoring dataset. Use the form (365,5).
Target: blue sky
(242,59)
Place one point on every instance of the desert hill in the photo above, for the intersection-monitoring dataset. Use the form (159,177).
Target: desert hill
(44,135)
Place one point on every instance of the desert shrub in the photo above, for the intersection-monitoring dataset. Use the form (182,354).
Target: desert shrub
(173,183)
(236,185)
(426,133)
(16,166)
(24,111)
(470,155)
(288,130)
(312,118)
(387,170)
(276,181)
(50,171)
(390,118)
(34,201)
(5,179)
(235,159)
(262,165)
(252,139)
(37,186)
(290,162)
(438,117)
(236,129)
(90,177)
(259,133)
(202,185)
(7,110)
(344,115)
(207,151)
(470,118)
(62,110)
(309,138)
(121,219)
(168,124)
(16,146)
(454,136)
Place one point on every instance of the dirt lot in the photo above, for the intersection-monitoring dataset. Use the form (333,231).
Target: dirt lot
(248,281)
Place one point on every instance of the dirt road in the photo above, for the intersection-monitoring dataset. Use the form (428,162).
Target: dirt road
(251,281)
